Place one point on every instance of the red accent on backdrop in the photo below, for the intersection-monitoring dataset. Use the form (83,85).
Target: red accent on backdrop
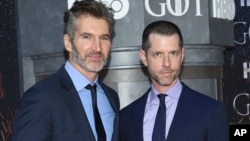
(9,68)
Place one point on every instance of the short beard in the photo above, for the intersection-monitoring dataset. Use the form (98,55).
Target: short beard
(165,81)
(82,62)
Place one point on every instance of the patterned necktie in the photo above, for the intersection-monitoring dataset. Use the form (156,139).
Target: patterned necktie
(160,120)
(101,135)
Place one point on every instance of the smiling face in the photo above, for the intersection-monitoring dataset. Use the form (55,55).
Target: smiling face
(163,59)
(89,50)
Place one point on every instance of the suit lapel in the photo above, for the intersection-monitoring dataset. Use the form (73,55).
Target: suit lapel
(139,114)
(72,100)
(182,112)
(111,95)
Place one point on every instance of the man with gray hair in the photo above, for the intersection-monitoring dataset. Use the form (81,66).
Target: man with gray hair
(73,104)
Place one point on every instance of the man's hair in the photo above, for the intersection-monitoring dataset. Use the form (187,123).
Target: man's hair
(162,28)
(88,8)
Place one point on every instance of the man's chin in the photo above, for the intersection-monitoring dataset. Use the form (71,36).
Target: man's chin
(167,82)
(95,69)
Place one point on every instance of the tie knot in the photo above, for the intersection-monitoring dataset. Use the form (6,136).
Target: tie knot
(89,86)
(161,97)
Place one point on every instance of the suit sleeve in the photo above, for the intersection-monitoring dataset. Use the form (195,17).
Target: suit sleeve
(219,129)
(33,121)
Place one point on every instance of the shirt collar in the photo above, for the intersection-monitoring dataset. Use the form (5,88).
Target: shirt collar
(79,80)
(173,92)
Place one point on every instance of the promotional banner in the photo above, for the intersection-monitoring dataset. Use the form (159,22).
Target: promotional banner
(237,67)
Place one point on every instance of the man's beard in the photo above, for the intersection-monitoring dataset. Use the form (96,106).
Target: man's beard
(87,65)
(163,81)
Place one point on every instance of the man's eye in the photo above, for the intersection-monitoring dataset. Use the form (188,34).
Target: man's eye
(105,38)
(174,53)
(157,54)
(86,36)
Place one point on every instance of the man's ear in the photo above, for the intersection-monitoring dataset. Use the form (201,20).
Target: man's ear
(67,43)
(143,57)
(182,59)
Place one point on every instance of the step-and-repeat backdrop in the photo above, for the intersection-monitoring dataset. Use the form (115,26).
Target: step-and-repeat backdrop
(237,67)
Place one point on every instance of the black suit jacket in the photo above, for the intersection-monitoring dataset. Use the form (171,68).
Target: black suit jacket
(197,118)
(51,110)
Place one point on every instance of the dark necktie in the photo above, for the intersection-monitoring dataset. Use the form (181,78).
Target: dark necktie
(101,136)
(160,120)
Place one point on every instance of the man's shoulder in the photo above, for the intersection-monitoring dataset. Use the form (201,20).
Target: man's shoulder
(198,98)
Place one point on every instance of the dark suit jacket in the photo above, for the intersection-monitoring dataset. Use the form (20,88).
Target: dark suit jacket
(197,118)
(52,111)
